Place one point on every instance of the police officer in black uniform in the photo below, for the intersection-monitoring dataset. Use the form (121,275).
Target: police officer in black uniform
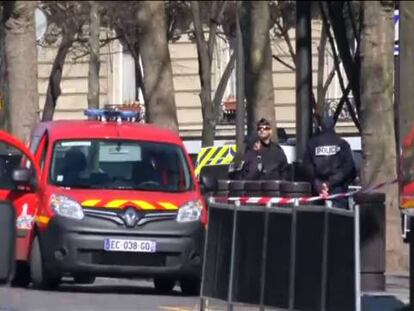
(328,161)
(263,158)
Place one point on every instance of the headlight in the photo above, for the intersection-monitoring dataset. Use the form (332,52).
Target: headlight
(190,211)
(63,206)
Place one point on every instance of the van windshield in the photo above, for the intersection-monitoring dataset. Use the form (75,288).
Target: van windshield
(120,164)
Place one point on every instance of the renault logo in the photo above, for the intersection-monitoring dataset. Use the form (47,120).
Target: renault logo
(130,217)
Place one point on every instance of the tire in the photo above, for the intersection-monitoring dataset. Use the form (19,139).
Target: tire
(223,185)
(252,186)
(164,284)
(190,286)
(271,188)
(296,187)
(272,185)
(236,188)
(41,278)
(21,276)
(84,279)
(236,185)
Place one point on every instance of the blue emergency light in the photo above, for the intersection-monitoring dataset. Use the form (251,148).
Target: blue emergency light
(113,115)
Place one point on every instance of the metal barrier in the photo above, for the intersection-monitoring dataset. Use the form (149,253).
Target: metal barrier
(295,258)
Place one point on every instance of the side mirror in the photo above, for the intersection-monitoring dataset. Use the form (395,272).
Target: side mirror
(24,177)
(207,183)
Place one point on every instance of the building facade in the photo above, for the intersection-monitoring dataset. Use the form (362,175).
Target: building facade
(117,83)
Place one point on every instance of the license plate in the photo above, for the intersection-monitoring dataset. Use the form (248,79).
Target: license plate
(120,245)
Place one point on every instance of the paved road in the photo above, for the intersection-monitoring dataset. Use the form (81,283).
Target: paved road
(104,294)
(117,294)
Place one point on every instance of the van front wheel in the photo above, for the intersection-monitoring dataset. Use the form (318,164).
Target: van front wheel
(21,276)
(164,284)
(41,278)
(190,286)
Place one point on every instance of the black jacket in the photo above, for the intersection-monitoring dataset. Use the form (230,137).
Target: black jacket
(328,159)
(269,162)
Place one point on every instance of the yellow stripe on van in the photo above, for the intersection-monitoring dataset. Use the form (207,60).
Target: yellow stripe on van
(408,203)
(144,205)
(44,220)
(168,206)
(90,203)
(116,203)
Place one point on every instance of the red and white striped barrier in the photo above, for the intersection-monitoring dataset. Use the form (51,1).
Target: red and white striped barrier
(300,200)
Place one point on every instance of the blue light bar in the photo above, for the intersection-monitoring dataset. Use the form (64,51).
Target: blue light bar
(113,115)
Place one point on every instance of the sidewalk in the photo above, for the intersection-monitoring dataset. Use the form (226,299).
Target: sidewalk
(396,297)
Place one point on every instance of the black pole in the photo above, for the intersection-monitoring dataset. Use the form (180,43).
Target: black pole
(397,91)
(303,76)
(240,111)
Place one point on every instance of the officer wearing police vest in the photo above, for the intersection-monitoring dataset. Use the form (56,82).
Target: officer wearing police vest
(328,161)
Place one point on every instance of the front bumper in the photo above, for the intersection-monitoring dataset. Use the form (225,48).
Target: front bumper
(77,246)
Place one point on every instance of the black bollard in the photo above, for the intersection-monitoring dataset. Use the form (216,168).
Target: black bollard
(372,228)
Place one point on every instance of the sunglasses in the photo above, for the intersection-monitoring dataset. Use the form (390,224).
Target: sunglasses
(263,128)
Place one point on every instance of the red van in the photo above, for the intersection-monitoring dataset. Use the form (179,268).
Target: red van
(106,197)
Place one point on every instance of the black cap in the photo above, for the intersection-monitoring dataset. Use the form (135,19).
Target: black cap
(263,121)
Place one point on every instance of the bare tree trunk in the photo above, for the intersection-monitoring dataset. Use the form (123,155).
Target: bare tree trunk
(158,79)
(129,37)
(139,79)
(406,104)
(204,70)
(205,50)
(6,9)
(377,120)
(221,87)
(259,79)
(94,63)
(21,57)
(53,88)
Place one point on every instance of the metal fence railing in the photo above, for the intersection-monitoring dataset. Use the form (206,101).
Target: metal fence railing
(301,257)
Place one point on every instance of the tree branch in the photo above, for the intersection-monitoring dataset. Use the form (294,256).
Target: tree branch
(328,81)
(283,62)
(214,22)
(202,48)
(102,44)
(339,29)
(285,35)
(218,96)
(341,102)
(336,62)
